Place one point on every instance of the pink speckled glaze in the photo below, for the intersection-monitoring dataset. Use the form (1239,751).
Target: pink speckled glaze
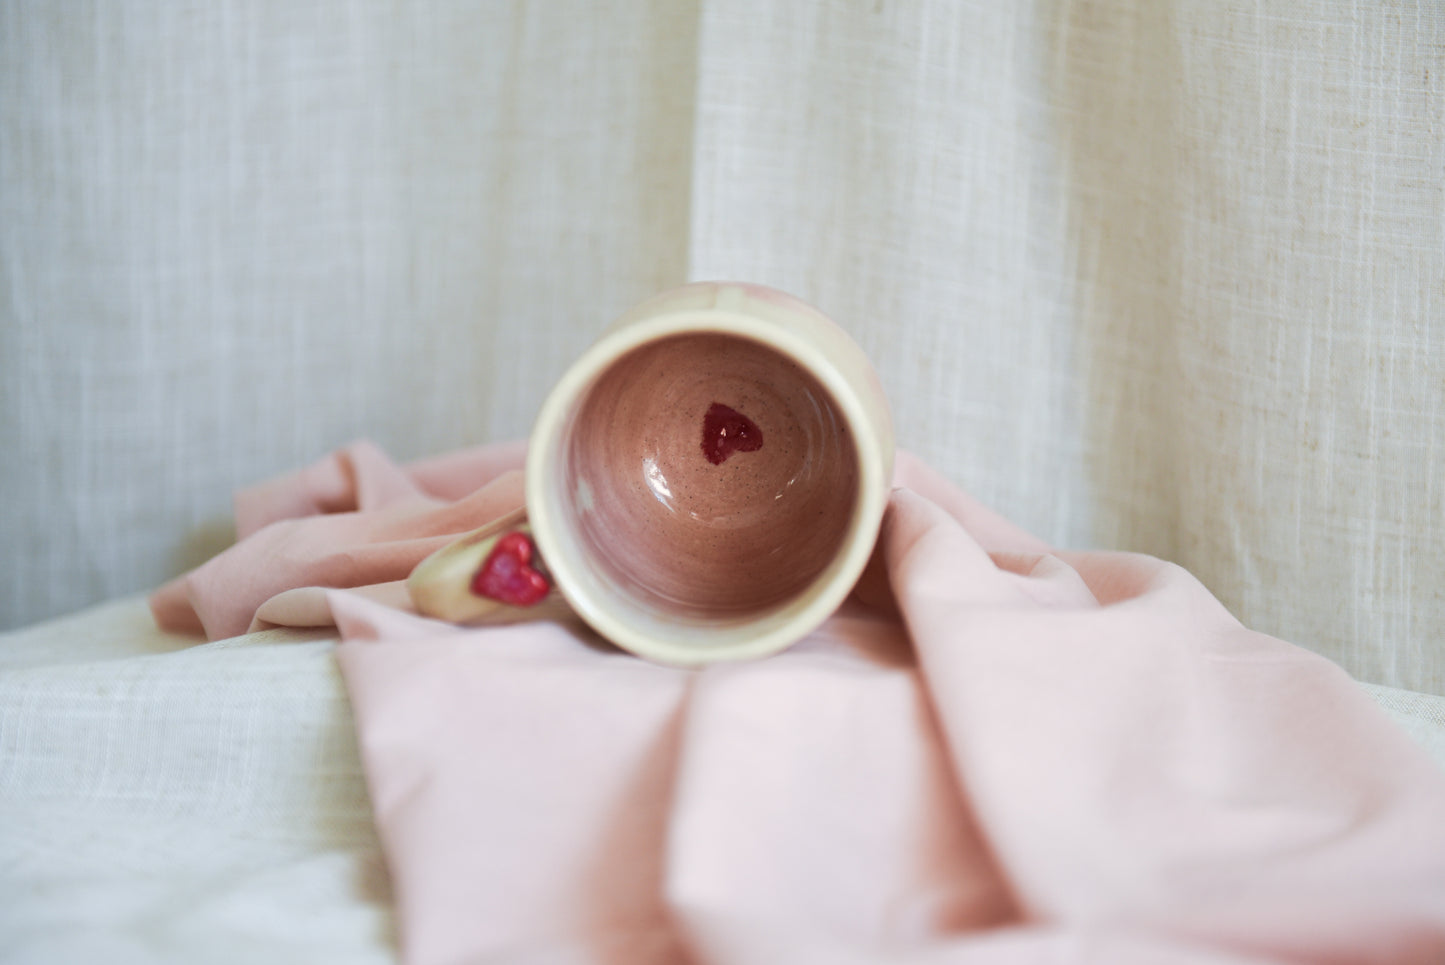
(707,481)
(711,540)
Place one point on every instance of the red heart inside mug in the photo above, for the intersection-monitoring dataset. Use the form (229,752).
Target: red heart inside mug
(726,431)
(738,525)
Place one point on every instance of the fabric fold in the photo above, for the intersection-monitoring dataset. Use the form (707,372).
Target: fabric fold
(352,519)
(996,752)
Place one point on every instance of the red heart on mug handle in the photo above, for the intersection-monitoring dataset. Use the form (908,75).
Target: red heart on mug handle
(507,574)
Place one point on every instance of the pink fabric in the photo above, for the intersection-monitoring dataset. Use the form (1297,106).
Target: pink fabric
(352,519)
(992,754)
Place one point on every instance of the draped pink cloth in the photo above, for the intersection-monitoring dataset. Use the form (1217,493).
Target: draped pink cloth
(994,753)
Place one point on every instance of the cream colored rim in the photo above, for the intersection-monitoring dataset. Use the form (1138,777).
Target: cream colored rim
(683,643)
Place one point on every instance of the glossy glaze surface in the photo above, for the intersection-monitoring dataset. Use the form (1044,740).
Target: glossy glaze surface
(725,431)
(728,528)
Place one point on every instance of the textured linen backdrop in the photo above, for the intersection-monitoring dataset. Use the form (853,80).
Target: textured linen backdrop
(1166,276)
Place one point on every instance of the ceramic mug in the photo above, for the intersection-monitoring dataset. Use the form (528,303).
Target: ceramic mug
(705,483)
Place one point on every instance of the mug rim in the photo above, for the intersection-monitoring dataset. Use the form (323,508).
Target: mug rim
(682,643)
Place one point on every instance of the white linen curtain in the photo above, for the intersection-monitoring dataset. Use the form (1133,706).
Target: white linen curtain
(1152,274)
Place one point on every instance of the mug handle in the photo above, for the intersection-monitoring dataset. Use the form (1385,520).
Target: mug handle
(492,575)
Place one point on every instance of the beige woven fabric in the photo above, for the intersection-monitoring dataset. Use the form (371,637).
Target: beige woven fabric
(1160,275)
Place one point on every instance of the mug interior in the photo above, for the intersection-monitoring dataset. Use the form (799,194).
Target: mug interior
(711,478)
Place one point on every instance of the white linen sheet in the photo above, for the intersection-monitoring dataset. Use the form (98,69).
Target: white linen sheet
(166,800)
